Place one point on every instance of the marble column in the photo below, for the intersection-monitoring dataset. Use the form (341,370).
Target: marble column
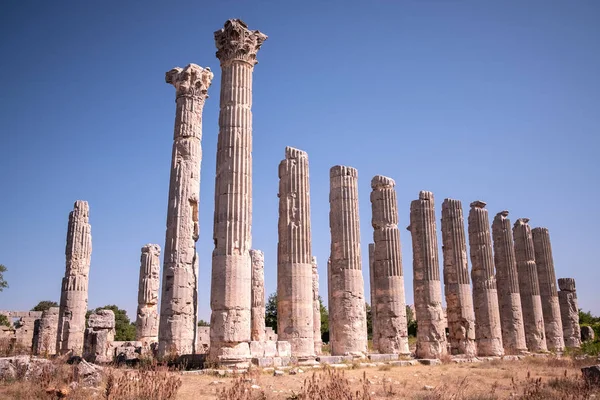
(529,287)
(389,302)
(347,314)
(548,293)
(316,308)
(457,283)
(569,312)
(74,293)
(507,280)
(179,308)
(431,324)
(230,302)
(147,311)
(257,316)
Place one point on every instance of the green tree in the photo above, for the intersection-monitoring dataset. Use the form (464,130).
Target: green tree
(411,322)
(4,320)
(586,318)
(369,321)
(271,312)
(124,329)
(203,323)
(3,283)
(44,305)
(324,317)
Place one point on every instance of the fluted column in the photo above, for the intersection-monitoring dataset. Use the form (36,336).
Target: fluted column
(294,256)
(347,316)
(231,271)
(457,284)
(257,258)
(569,312)
(488,332)
(531,302)
(147,311)
(316,308)
(179,308)
(375,337)
(389,302)
(548,293)
(431,324)
(74,292)
(507,280)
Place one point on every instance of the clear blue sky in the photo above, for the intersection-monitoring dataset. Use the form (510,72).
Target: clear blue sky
(498,101)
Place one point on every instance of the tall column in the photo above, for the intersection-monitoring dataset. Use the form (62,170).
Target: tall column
(257,258)
(507,280)
(389,302)
(147,312)
(457,284)
(294,256)
(531,302)
(431,324)
(488,332)
(548,293)
(178,306)
(231,271)
(375,337)
(347,314)
(569,312)
(74,293)
(316,308)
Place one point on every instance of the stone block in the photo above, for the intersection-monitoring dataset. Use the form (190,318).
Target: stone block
(383,357)
(257,349)
(102,319)
(270,348)
(429,361)
(263,361)
(284,349)
(333,359)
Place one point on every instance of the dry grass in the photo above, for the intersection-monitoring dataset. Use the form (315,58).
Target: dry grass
(144,384)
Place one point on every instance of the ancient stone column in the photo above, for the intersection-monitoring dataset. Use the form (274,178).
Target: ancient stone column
(457,284)
(257,312)
(488,332)
(548,293)
(389,302)
(178,307)
(99,336)
(347,314)
(45,340)
(147,312)
(372,294)
(230,302)
(294,256)
(509,297)
(531,302)
(316,308)
(569,312)
(74,294)
(431,324)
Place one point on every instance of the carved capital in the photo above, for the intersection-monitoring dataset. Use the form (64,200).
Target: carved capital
(236,42)
(192,81)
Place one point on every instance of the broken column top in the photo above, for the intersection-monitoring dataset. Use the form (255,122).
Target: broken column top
(293,153)
(81,209)
(502,214)
(382,182)
(521,221)
(452,202)
(104,319)
(342,170)
(151,248)
(257,255)
(192,80)
(236,42)
(566,284)
(425,195)
(478,204)
(539,230)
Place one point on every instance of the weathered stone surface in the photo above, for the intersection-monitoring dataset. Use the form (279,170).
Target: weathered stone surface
(44,342)
(25,331)
(179,308)
(548,293)
(389,302)
(126,352)
(74,293)
(294,255)
(316,308)
(531,302)
(569,312)
(333,359)
(270,334)
(202,339)
(347,314)
(231,265)
(488,332)
(457,284)
(431,335)
(587,334)
(257,314)
(147,312)
(383,357)
(99,336)
(509,297)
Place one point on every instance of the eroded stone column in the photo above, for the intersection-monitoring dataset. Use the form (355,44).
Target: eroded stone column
(45,340)
(457,284)
(431,324)
(374,340)
(294,256)
(230,330)
(389,302)
(569,312)
(74,293)
(347,314)
(178,307)
(529,287)
(257,258)
(507,280)
(548,293)
(316,308)
(99,336)
(488,332)
(146,323)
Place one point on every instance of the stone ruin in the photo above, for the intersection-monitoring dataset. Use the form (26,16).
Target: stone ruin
(99,337)
(569,312)
(44,338)
(146,323)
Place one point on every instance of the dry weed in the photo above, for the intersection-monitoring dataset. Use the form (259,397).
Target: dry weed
(241,389)
(332,385)
(150,384)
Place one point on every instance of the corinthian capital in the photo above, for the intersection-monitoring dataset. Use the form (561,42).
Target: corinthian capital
(193,80)
(236,42)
